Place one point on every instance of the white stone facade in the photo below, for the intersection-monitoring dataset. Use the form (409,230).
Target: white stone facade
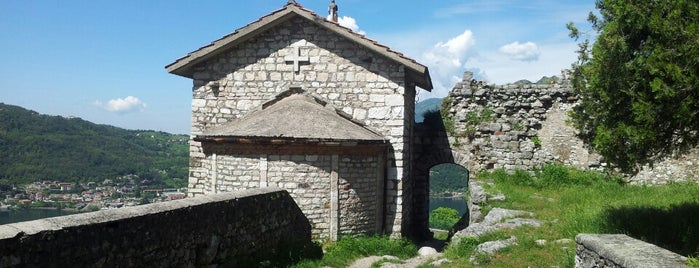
(367,86)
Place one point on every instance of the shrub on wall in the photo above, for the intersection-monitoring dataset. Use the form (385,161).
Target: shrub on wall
(447,117)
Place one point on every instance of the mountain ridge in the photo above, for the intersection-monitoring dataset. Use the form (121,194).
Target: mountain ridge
(45,147)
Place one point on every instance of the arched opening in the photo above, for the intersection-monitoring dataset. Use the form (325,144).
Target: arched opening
(448,197)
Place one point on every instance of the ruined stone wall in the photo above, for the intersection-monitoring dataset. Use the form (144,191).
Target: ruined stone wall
(527,125)
(213,230)
(516,125)
(677,168)
(362,83)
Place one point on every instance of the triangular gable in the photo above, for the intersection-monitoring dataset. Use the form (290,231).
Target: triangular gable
(294,116)
(185,66)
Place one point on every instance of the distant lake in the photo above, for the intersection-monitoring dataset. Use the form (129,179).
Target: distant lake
(19,215)
(456,203)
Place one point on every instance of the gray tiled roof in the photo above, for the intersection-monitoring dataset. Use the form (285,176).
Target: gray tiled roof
(298,116)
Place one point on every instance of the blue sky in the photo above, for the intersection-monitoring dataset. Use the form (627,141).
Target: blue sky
(104,61)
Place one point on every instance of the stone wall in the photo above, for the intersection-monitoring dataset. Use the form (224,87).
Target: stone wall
(516,125)
(621,251)
(338,193)
(678,168)
(360,201)
(528,126)
(221,229)
(362,83)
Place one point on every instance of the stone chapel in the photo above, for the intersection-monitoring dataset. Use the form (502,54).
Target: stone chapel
(296,101)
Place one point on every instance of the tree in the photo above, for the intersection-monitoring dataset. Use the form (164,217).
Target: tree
(443,218)
(638,81)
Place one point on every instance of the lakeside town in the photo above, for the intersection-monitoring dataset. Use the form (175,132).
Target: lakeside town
(88,196)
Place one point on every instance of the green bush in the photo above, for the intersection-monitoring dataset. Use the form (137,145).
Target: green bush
(443,218)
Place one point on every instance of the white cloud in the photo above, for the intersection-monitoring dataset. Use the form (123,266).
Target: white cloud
(446,61)
(500,69)
(350,23)
(452,53)
(528,51)
(125,105)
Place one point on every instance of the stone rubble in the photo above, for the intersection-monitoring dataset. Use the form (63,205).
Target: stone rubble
(426,251)
(491,247)
(497,219)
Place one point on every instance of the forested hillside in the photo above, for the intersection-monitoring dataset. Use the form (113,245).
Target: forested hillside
(425,106)
(41,147)
(448,178)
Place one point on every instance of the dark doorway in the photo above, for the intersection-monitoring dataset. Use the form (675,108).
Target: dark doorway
(448,195)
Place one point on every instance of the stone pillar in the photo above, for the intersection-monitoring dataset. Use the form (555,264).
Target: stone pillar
(263,171)
(380,190)
(334,199)
(214,174)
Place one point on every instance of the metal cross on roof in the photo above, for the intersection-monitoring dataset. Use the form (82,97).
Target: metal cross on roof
(296,58)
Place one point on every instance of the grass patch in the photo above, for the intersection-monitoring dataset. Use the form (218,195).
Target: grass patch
(570,201)
(348,248)
(693,262)
(386,260)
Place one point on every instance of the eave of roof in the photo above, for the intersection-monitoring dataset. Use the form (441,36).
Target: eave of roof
(286,141)
(184,66)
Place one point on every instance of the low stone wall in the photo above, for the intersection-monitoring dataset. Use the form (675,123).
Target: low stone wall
(222,229)
(617,250)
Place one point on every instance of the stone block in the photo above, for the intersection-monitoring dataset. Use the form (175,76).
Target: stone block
(394,100)
(380,113)
(377,98)
(198,103)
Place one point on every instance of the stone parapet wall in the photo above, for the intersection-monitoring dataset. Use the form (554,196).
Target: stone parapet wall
(217,229)
(516,125)
(622,251)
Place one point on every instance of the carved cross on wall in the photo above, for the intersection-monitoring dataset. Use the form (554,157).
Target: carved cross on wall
(296,58)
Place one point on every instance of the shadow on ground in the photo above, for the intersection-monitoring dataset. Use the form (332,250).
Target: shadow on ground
(675,228)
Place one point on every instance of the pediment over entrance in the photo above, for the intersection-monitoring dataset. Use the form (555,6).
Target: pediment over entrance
(295,116)
(186,65)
